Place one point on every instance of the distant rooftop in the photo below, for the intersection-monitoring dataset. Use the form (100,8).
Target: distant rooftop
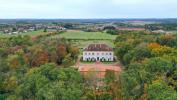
(98,47)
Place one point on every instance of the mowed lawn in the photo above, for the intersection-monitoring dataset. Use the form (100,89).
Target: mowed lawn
(82,39)
(80,35)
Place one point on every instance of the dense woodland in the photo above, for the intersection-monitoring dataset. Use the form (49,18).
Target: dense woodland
(150,65)
(21,57)
(41,69)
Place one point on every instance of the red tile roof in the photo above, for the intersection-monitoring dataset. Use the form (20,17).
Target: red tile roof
(98,47)
(131,29)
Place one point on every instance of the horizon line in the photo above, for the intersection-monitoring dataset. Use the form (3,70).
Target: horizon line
(81,18)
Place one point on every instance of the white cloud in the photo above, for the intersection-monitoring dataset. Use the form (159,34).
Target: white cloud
(87,8)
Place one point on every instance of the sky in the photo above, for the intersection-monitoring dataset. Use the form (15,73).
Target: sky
(75,9)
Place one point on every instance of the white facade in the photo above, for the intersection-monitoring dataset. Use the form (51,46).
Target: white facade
(98,56)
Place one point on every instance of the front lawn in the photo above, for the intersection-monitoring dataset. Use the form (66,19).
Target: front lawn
(80,35)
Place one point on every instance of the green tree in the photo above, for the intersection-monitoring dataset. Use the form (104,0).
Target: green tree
(168,40)
(45,29)
(160,91)
(50,83)
(110,76)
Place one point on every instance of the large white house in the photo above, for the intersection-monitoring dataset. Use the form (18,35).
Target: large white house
(98,52)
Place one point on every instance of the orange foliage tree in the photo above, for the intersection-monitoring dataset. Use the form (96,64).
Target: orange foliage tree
(61,53)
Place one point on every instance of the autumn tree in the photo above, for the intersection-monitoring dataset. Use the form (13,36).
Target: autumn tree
(51,83)
(61,53)
(168,40)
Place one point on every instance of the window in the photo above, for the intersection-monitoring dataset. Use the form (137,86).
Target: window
(102,53)
(110,53)
(85,53)
(92,53)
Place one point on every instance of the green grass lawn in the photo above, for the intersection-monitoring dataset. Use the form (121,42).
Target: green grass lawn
(32,33)
(82,39)
(80,35)
(84,43)
(175,32)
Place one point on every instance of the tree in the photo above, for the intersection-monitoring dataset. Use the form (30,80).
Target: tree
(168,40)
(160,91)
(68,25)
(157,66)
(112,32)
(74,52)
(110,76)
(37,56)
(141,51)
(109,28)
(13,61)
(122,49)
(128,58)
(172,79)
(41,58)
(68,61)
(50,83)
(45,29)
(163,50)
(61,53)
(19,40)
(113,85)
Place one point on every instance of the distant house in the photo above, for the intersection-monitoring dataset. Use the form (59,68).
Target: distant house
(159,31)
(56,27)
(21,30)
(31,29)
(98,52)
(131,29)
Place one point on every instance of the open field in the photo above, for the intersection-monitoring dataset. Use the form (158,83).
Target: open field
(174,32)
(83,43)
(32,33)
(82,39)
(80,35)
